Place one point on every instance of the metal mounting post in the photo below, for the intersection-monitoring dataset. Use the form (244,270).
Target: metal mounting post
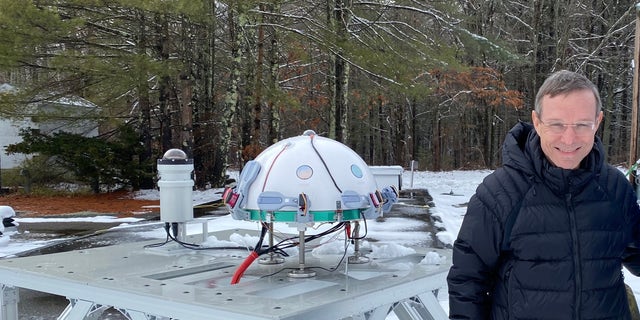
(301,272)
(357,257)
(272,257)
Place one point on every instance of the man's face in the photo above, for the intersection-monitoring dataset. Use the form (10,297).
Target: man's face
(567,126)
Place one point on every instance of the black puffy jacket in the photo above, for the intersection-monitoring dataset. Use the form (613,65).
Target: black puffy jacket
(573,232)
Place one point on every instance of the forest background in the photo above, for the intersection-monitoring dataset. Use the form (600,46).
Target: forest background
(439,82)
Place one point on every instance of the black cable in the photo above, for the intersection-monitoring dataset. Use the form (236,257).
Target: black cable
(184,244)
(325,165)
(166,240)
(258,248)
(344,254)
(282,245)
(277,248)
(172,227)
(366,229)
(155,245)
(274,273)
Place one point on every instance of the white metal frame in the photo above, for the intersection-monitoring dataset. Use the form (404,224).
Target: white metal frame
(193,285)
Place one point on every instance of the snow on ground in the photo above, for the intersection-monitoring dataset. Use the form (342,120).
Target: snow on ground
(451,190)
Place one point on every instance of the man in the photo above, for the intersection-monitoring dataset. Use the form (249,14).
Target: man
(545,236)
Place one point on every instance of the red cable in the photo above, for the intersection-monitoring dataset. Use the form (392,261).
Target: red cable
(243,267)
(264,184)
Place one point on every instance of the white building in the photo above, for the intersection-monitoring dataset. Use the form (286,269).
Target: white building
(68,114)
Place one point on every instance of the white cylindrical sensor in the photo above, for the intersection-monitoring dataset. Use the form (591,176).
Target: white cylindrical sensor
(176,186)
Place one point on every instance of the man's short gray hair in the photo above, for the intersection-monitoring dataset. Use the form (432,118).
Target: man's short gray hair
(563,82)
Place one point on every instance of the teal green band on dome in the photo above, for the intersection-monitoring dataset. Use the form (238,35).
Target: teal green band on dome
(318,216)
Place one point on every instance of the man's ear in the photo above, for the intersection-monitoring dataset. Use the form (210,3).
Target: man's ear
(534,119)
(599,119)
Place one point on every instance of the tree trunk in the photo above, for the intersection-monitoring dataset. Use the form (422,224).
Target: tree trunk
(341,71)
(274,68)
(231,99)
(205,133)
(256,114)
(144,107)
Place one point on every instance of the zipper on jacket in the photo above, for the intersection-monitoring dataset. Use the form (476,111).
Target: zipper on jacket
(576,254)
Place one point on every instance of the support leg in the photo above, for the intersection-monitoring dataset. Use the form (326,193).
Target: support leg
(301,272)
(82,310)
(8,303)
(430,302)
(272,257)
(357,257)
(379,313)
(137,315)
(425,306)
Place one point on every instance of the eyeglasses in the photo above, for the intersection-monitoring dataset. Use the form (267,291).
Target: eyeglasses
(580,128)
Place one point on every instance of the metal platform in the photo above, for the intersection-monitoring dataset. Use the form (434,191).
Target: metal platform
(175,283)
